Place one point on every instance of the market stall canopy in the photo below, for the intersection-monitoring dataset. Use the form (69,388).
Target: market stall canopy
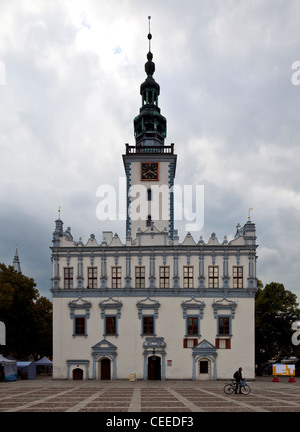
(43,362)
(10,368)
(4,360)
(27,368)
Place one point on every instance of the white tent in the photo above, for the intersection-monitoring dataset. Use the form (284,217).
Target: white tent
(10,368)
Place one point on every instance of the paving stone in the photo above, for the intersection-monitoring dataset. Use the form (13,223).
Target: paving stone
(47,395)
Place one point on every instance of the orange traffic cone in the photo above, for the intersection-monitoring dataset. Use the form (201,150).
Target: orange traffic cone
(275,379)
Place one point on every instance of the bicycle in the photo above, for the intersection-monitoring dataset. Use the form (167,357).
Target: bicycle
(229,388)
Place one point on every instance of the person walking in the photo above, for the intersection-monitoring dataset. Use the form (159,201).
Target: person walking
(238,378)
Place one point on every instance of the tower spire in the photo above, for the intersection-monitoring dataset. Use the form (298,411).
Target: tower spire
(150,126)
(149,34)
(16,262)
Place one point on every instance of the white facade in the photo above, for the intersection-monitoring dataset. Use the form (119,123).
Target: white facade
(131,345)
(153,306)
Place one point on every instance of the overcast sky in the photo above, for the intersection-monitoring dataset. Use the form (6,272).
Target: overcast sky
(70,75)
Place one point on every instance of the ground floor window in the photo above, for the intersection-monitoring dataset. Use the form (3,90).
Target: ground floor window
(190,343)
(224,343)
(203,367)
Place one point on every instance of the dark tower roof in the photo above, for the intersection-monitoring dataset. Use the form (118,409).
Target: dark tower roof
(16,262)
(150,127)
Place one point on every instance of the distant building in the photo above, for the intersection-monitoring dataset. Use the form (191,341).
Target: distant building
(16,262)
(153,306)
(17,267)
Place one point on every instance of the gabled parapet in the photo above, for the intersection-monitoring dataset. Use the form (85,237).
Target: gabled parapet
(151,236)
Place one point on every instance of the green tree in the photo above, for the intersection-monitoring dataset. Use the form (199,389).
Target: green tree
(26,316)
(43,317)
(275,311)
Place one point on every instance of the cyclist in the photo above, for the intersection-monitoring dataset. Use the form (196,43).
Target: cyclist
(238,378)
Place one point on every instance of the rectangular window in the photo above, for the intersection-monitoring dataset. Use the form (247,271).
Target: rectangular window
(148,221)
(190,343)
(116,277)
(188,277)
(79,326)
(237,277)
(223,343)
(92,277)
(192,326)
(148,325)
(68,277)
(164,277)
(140,277)
(149,194)
(213,277)
(224,326)
(110,325)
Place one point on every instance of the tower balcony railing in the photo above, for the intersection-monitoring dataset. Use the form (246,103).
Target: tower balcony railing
(150,149)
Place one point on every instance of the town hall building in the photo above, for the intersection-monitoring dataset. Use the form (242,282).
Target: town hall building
(152,307)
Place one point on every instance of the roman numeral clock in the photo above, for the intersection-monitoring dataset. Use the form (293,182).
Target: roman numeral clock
(149,171)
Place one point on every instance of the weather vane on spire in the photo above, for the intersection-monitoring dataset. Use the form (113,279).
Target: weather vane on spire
(149,34)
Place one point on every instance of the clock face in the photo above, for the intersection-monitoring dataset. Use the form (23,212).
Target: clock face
(149,171)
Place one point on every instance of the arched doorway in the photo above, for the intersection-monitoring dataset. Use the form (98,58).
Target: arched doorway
(204,361)
(104,350)
(154,368)
(154,358)
(77,374)
(105,369)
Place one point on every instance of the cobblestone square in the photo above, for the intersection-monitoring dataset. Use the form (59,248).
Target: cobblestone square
(47,395)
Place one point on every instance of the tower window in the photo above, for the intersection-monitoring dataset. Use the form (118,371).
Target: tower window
(148,221)
(149,194)
(150,97)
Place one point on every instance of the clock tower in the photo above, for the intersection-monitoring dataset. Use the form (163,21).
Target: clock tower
(150,164)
